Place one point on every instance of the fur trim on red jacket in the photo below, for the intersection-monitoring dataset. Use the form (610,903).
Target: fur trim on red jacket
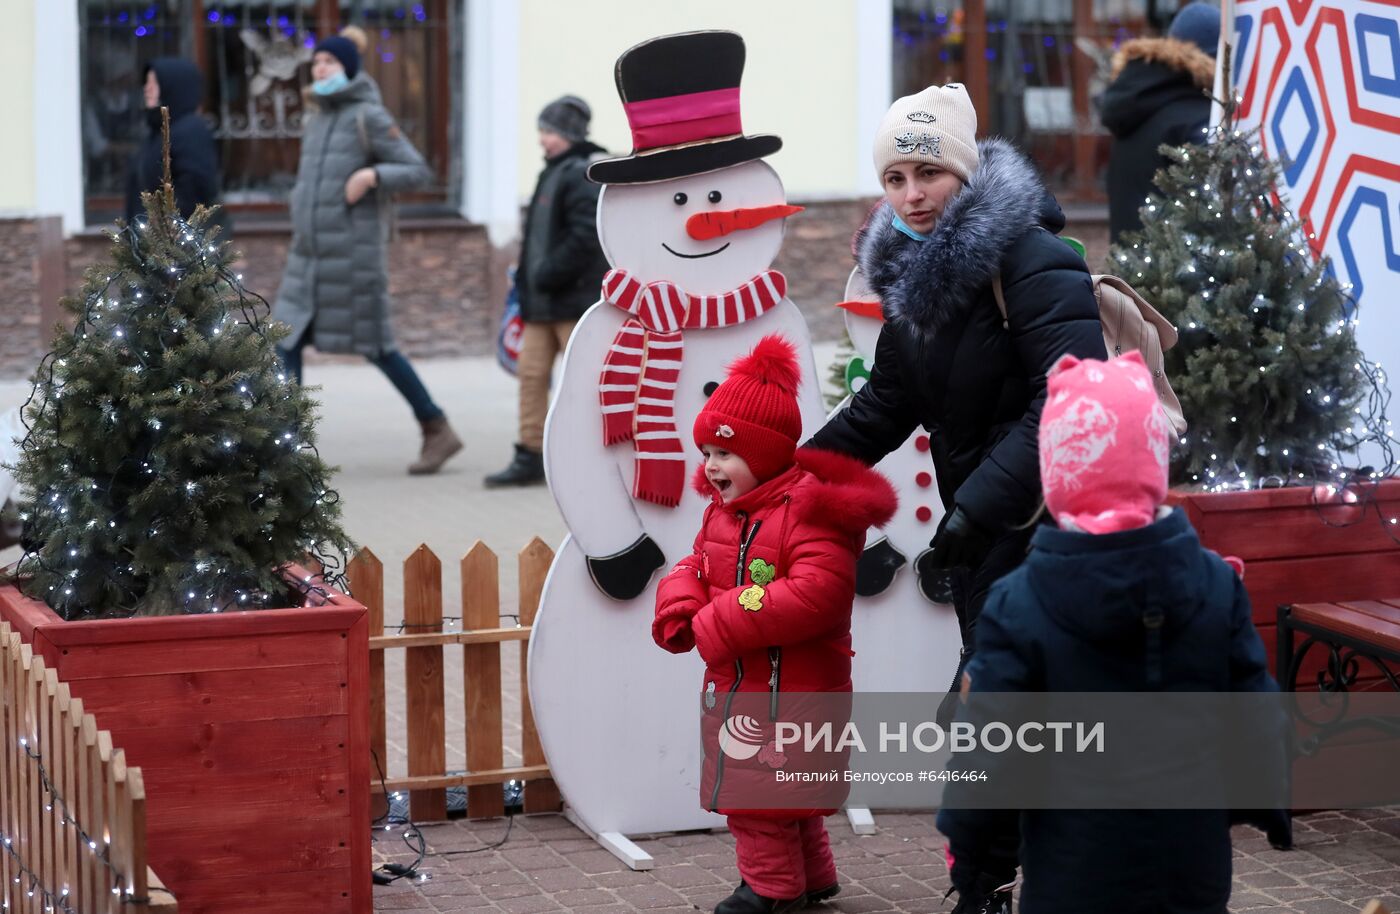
(849,497)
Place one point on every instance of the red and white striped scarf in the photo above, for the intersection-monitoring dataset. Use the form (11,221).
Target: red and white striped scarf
(638,386)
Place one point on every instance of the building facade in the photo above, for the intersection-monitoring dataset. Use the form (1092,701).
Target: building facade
(466,78)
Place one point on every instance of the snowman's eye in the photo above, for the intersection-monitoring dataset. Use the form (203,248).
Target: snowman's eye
(680,199)
(711,387)
(716,196)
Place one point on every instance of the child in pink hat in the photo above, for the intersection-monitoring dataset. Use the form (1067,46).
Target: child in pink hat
(1119,596)
(1104,445)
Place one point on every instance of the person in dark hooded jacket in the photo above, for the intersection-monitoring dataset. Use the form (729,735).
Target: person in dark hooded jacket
(1119,597)
(959,217)
(176,84)
(1159,95)
(561,270)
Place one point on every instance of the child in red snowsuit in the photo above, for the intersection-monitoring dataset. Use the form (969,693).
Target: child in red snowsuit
(766,597)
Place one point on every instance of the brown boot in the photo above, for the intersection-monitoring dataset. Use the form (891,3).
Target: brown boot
(439,443)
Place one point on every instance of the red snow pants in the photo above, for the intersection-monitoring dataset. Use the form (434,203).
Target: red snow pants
(783,858)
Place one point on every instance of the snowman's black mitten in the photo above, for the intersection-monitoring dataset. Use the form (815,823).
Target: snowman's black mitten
(624,575)
(876,567)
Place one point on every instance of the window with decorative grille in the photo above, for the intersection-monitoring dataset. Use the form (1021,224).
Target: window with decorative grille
(255,57)
(1035,69)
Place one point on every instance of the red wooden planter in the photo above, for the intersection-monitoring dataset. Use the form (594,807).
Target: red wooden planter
(1295,551)
(252,731)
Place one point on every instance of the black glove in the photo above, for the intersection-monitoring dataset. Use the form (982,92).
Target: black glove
(876,567)
(624,575)
(959,543)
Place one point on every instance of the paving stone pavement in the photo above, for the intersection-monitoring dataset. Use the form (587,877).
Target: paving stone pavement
(1341,861)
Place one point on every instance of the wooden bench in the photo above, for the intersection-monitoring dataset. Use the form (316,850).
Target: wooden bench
(1341,675)
(1361,639)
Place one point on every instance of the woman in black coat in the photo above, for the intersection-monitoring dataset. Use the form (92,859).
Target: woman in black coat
(958,216)
(176,84)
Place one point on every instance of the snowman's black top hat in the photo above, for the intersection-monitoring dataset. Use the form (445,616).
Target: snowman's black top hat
(681,94)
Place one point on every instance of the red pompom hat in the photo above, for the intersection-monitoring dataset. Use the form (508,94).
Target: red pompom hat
(754,412)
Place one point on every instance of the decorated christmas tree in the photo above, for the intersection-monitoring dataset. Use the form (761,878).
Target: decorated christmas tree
(1267,367)
(170,461)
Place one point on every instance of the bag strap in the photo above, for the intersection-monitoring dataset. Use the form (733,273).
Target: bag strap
(364,133)
(1000,296)
(388,209)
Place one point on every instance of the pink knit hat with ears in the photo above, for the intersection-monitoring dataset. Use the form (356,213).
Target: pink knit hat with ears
(1104,444)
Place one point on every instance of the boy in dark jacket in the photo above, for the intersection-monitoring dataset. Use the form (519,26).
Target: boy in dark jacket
(561,268)
(766,597)
(1121,597)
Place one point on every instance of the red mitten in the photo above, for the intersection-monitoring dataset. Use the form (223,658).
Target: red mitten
(678,599)
(674,634)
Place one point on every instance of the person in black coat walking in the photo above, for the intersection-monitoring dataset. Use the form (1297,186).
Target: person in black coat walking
(960,216)
(1159,95)
(1121,597)
(560,272)
(175,83)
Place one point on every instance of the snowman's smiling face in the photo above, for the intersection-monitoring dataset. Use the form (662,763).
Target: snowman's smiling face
(643,228)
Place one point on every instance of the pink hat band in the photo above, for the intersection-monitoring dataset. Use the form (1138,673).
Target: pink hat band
(677,119)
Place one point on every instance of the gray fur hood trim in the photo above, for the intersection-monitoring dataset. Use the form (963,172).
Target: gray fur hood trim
(926,284)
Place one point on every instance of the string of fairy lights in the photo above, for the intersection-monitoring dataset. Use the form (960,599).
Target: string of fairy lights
(1326,466)
(31,883)
(212,583)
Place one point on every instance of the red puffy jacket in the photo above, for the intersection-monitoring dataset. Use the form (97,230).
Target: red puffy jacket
(766,597)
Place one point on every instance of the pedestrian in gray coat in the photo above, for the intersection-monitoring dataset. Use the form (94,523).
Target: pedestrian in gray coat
(335,291)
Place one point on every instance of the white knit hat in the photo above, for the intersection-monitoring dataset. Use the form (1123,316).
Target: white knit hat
(938,126)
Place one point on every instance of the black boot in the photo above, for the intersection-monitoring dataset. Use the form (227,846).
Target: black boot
(746,901)
(988,895)
(527,469)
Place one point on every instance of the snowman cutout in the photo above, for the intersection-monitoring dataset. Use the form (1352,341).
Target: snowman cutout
(690,223)
(903,642)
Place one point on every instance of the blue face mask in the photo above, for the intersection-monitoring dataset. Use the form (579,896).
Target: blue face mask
(331,84)
(901,226)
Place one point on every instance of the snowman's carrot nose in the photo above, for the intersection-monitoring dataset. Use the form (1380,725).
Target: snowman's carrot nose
(718,223)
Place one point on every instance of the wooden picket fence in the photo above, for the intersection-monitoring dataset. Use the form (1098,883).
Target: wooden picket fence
(482,638)
(72,814)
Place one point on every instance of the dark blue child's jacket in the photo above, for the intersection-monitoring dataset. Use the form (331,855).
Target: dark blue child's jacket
(1070,619)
